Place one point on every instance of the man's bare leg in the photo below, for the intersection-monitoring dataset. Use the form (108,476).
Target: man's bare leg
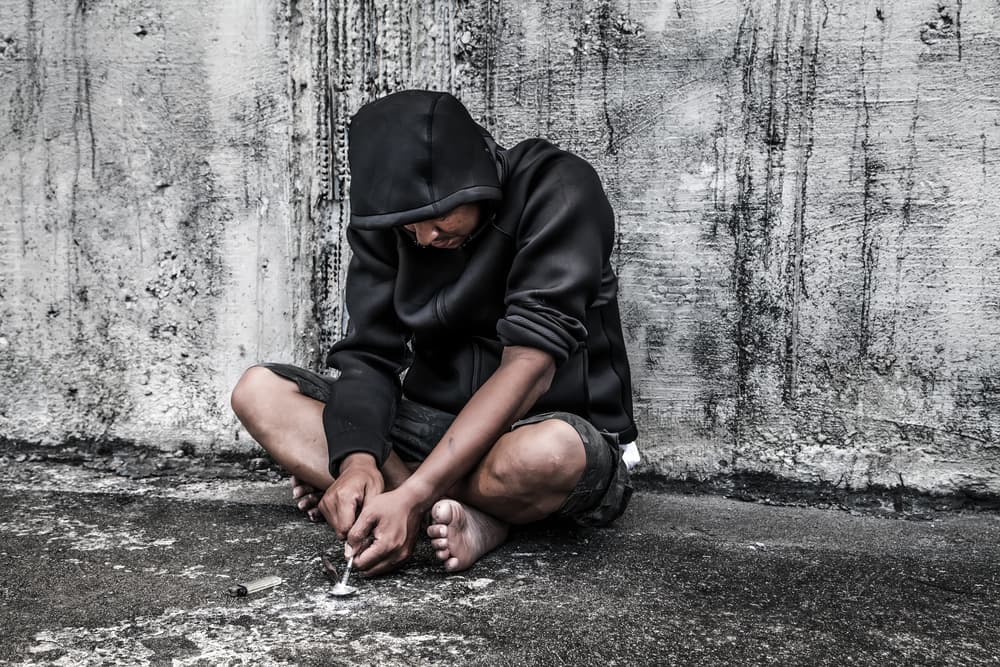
(526,476)
(289,425)
(285,422)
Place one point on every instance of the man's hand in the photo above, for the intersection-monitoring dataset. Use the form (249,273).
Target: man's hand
(389,525)
(359,482)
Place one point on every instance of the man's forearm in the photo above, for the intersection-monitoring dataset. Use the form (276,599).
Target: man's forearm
(523,376)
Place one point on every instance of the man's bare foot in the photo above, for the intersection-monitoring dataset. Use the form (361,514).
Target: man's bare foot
(306,499)
(461,535)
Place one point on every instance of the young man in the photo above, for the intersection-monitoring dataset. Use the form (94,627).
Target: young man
(483,273)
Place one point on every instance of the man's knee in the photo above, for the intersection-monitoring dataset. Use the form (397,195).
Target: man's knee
(547,455)
(250,394)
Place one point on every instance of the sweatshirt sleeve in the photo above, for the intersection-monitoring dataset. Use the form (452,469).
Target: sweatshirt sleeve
(563,241)
(363,400)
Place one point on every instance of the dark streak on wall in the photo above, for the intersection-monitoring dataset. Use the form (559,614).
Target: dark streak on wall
(742,227)
(84,106)
(493,24)
(331,174)
(871,167)
(26,106)
(911,141)
(795,288)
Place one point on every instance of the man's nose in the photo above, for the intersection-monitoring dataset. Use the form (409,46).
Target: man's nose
(426,233)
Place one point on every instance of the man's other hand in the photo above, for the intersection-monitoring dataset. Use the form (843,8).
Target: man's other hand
(389,525)
(359,482)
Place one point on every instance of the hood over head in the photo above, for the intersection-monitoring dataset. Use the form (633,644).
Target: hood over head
(416,155)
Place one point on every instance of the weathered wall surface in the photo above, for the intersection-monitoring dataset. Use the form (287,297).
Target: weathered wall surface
(805,191)
(146,245)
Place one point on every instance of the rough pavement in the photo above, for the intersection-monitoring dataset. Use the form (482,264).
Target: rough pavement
(125,560)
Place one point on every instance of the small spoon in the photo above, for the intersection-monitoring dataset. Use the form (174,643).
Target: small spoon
(342,589)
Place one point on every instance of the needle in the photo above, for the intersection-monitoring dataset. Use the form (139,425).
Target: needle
(347,572)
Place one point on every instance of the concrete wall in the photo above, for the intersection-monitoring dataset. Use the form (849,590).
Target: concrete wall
(146,245)
(805,191)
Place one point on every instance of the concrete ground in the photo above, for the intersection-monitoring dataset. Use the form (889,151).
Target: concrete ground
(125,557)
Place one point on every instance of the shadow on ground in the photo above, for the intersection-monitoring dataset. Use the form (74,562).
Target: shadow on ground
(118,560)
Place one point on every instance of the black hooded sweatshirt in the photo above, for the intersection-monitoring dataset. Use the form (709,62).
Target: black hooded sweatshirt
(534,273)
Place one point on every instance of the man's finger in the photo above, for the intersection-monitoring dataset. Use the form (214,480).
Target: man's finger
(359,539)
(346,515)
(308,501)
(374,557)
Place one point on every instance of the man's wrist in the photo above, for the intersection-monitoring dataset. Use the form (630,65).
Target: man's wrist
(359,460)
(421,494)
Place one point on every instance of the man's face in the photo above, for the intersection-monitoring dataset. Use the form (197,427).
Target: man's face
(449,231)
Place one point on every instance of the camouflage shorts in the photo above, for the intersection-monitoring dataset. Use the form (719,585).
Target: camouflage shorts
(600,496)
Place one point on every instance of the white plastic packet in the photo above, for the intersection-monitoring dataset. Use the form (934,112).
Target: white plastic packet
(630,455)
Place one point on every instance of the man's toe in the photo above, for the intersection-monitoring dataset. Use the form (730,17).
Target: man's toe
(441,512)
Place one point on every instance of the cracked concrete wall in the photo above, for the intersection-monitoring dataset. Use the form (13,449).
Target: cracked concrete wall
(147,252)
(804,190)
